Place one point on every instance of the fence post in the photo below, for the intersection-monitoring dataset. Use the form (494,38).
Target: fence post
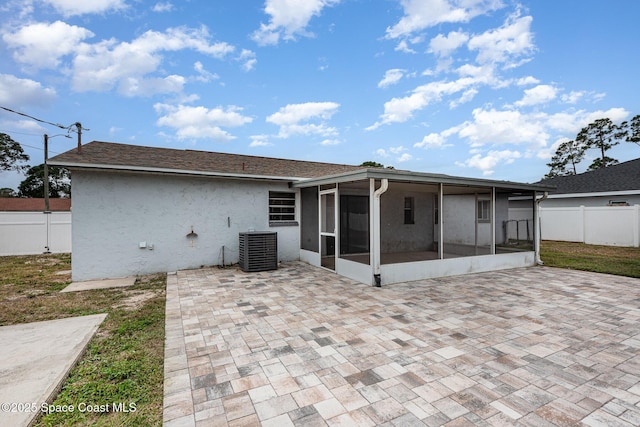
(582,222)
(636,226)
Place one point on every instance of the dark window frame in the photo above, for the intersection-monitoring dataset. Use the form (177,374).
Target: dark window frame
(282,208)
(409,210)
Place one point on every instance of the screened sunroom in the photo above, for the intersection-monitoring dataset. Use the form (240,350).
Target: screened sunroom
(382,226)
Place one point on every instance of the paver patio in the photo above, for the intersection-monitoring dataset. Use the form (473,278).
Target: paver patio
(303,346)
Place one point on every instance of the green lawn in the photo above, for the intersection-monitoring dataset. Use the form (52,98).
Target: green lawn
(124,361)
(620,261)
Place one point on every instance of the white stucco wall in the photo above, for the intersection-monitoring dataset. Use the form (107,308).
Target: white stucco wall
(395,235)
(459,220)
(114,212)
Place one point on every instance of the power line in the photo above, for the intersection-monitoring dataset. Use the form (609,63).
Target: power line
(34,118)
(20,133)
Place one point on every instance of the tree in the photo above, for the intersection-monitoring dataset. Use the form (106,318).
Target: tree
(11,154)
(33,184)
(372,164)
(634,130)
(603,135)
(564,161)
(8,192)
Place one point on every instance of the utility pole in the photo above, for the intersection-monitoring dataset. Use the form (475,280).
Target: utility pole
(46,173)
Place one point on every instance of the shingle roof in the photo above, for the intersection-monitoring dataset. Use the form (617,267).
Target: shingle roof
(621,177)
(13,204)
(98,154)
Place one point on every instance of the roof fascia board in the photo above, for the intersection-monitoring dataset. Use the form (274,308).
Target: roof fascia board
(172,171)
(419,177)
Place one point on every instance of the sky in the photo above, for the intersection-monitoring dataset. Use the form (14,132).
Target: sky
(474,88)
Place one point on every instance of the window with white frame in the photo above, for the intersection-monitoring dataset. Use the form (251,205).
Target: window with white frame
(282,207)
(484,210)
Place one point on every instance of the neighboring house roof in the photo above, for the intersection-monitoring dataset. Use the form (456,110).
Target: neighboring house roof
(13,204)
(621,177)
(108,155)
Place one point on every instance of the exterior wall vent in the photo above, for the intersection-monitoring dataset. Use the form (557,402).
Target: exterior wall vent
(258,251)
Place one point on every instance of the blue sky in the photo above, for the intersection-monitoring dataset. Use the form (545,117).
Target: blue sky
(478,88)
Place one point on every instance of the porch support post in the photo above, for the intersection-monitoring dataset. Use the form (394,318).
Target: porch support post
(493,220)
(375,243)
(475,242)
(441,220)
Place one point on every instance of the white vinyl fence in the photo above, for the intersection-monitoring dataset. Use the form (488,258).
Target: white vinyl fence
(606,225)
(29,233)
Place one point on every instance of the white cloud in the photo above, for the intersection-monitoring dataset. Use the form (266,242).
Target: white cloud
(403,46)
(163,7)
(505,44)
(466,96)
(293,117)
(572,97)
(24,92)
(248,59)
(397,150)
(422,14)
(133,86)
(488,163)
(391,77)
(503,127)
(399,110)
(101,66)
(442,45)
(529,80)
(260,141)
(382,152)
(538,95)
(404,158)
(201,122)
(128,66)
(42,45)
(433,140)
(81,7)
(288,18)
(204,75)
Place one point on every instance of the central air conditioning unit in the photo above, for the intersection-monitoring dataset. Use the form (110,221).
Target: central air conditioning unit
(258,251)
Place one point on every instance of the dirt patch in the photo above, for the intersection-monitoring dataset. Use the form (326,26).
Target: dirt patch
(136,300)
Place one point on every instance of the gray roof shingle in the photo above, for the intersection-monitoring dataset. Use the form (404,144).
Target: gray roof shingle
(98,154)
(621,177)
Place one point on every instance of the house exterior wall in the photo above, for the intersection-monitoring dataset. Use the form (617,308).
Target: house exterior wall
(114,212)
(25,233)
(395,235)
(459,221)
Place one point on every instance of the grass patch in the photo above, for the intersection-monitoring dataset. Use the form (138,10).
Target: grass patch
(621,261)
(124,361)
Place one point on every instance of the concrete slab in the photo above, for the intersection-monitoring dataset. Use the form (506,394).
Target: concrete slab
(100,284)
(35,358)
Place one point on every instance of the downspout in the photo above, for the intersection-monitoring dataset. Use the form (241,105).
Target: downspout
(537,225)
(384,186)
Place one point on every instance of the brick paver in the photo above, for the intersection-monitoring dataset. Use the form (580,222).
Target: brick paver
(302,346)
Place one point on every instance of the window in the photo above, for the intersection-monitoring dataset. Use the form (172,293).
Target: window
(618,203)
(282,208)
(408,210)
(484,210)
